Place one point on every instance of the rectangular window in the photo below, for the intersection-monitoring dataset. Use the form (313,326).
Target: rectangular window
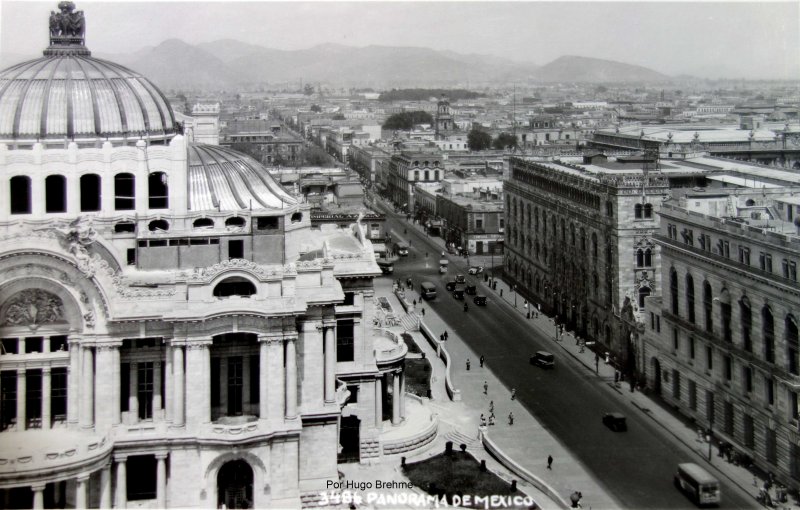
(131,255)
(770,447)
(255,364)
(33,398)
(267,223)
(744,255)
(709,358)
(793,412)
(728,368)
(236,249)
(748,379)
(749,431)
(710,413)
(676,384)
(692,395)
(794,460)
(675,341)
(345,337)
(726,249)
(769,385)
(658,324)
(58,395)
(728,418)
(765,261)
(691,347)
(145,389)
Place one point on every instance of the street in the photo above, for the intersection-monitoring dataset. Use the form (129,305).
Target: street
(636,466)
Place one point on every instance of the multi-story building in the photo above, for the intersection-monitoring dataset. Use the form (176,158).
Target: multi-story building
(366,160)
(721,341)
(264,139)
(474,221)
(578,241)
(174,332)
(410,167)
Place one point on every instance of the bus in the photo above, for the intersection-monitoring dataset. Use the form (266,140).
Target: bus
(698,484)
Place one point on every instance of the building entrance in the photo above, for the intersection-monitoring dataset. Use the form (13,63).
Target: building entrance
(349,439)
(235,485)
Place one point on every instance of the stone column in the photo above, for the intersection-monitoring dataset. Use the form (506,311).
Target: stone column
(178,409)
(263,397)
(157,400)
(81,491)
(223,385)
(168,389)
(198,371)
(105,486)
(46,387)
(116,391)
(22,422)
(161,480)
(245,384)
(87,388)
(378,402)
(276,371)
(403,394)
(395,398)
(330,362)
(104,387)
(38,496)
(291,376)
(133,392)
(73,374)
(121,487)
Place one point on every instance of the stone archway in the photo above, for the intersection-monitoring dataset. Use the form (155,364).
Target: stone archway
(235,485)
(656,375)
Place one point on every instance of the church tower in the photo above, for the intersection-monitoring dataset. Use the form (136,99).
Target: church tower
(444,120)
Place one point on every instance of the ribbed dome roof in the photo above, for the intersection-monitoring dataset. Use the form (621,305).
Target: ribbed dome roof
(224,179)
(77,96)
(69,94)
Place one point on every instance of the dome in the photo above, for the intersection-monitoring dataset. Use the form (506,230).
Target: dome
(69,94)
(224,179)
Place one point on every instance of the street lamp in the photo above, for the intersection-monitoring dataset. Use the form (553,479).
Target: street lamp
(515,295)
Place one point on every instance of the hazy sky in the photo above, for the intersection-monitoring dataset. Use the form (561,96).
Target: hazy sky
(712,39)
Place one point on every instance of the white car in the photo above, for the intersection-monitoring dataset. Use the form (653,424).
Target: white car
(475,270)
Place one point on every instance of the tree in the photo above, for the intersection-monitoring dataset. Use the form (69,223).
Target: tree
(316,108)
(478,140)
(505,140)
(338,116)
(315,156)
(308,89)
(406,120)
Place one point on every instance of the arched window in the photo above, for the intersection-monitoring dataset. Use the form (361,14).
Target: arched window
(595,284)
(792,346)
(746,314)
(639,258)
(158,191)
(234,286)
(416,163)
(203,223)
(690,298)
(55,194)
(416,175)
(750,202)
(643,293)
(572,234)
(427,175)
(637,211)
(90,193)
(583,240)
(436,174)
(648,258)
(594,245)
(708,306)
(609,209)
(563,230)
(20,194)
(297,217)
(725,313)
(157,225)
(673,290)
(425,163)
(536,249)
(768,333)
(124,192)
(648,210)
(235,221)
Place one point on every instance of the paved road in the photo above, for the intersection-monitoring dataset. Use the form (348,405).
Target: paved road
(636,466)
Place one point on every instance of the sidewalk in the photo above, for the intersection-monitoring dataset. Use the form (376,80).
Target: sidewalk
(526,441)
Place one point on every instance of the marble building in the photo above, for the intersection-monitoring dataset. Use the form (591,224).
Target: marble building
(173,330)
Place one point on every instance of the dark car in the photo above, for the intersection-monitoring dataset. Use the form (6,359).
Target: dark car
(479,300)
(615,421)
(450,286)
(471,290)
(460,278)
(543,359)
(458,291)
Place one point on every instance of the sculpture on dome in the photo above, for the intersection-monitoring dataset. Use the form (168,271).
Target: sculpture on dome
(67,23)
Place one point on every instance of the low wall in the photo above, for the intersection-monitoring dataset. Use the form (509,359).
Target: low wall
(452,392)
(521,472)
(418,440)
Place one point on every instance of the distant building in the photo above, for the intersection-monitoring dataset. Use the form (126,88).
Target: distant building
(474,221)
(410,167)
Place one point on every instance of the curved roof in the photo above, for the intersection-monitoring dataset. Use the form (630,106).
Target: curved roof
(72,95)
(224,179)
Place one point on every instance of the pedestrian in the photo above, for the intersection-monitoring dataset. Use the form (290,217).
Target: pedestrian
(596,363)
(445,335)
(441,337)
(483,420)
(511,418)
(549,462)
(423,312)
(485,388)
(491,419)
(482,360)
(468,364)
(513,394)
(491,406)
(415,302)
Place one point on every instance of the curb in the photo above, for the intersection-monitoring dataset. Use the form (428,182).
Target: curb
(520,471)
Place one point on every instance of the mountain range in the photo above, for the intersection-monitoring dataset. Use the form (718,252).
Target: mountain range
(228,63)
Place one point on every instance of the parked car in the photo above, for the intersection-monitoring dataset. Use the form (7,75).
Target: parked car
(458,291)
(615,421)
(475,270)
(479,300)
(543,359)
